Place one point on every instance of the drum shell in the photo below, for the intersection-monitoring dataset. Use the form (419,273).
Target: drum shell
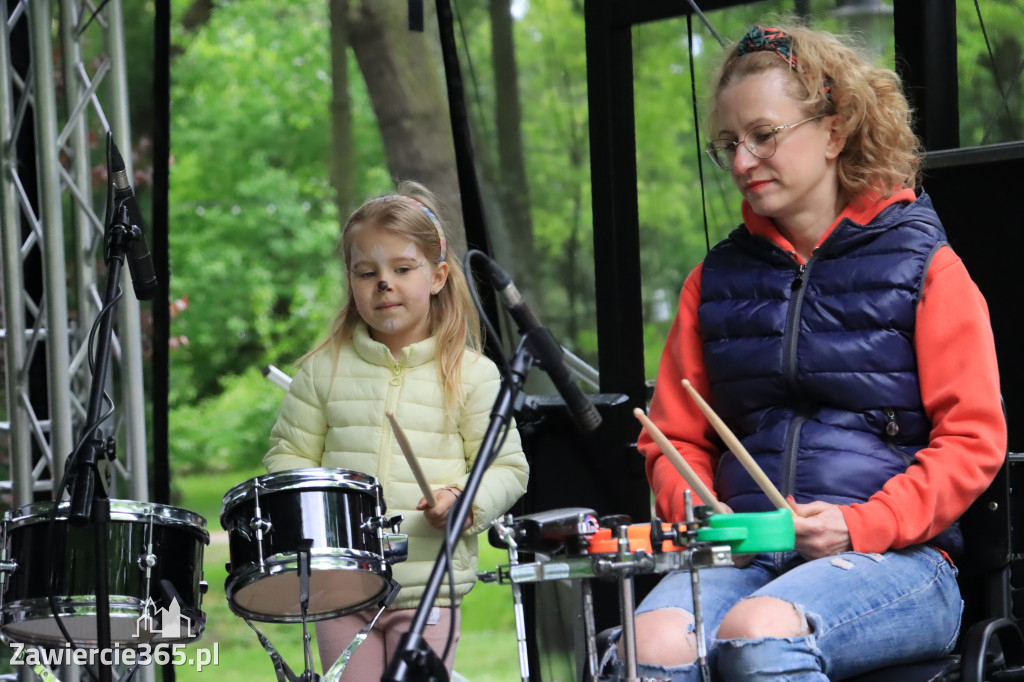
(321,515)
(267,519)
(55,557)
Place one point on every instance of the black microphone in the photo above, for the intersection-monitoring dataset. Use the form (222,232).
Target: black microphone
(140,262)
(546,350)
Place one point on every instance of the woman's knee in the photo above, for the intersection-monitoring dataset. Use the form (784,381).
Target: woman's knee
(759,617)
(664,637)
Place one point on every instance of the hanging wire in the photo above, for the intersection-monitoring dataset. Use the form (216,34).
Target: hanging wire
(696,10)
(696,129)
(482,120)
(1004,94)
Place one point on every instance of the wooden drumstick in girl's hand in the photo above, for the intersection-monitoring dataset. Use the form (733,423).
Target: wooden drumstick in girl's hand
(410,457)
(687,472)
(734,444)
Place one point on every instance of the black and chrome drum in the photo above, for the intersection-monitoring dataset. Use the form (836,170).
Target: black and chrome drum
(155,558)
(337,515)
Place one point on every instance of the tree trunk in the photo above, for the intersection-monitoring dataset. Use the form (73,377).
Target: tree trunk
(513,189)
(342,157)
(405,82)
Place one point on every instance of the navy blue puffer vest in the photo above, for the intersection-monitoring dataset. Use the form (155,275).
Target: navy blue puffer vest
(813,367)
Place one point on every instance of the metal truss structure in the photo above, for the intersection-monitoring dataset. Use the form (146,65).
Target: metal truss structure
(63,85)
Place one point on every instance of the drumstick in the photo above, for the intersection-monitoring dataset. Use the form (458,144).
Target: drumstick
(403,443)
(737,448)
(679,463)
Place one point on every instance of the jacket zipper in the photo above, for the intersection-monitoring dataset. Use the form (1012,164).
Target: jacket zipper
(390,401)
(789,371)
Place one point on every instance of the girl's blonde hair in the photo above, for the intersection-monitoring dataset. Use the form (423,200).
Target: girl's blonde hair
(882,152)
(453,318)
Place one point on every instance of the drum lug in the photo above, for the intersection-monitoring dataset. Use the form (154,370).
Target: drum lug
(8,566)
(260,525)
(204,587)
(146,561)
(373,524)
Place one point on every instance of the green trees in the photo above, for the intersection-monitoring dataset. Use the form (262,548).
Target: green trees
(272,147)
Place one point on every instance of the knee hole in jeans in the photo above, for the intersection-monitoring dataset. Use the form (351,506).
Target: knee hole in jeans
(759,617)
(664,637)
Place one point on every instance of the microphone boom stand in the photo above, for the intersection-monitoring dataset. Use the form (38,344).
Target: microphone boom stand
(415,661)
(89,498)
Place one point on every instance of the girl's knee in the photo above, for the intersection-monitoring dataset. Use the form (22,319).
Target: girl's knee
(760,617)
(664,637)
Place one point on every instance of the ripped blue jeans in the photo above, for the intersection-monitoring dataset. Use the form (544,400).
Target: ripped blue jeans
(865,611)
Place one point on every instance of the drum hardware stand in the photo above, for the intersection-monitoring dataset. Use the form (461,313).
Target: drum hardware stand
(87,464)
(304,567)
(335,671)
(415,661)
(304,561)
(506,533)
(698,617)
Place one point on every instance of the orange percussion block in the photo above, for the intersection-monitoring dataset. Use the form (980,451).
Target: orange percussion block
(605,541)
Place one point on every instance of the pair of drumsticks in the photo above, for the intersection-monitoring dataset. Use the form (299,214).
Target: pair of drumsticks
(734,444)
(667,449)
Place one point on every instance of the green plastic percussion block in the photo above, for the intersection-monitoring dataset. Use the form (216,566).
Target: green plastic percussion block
(750,533)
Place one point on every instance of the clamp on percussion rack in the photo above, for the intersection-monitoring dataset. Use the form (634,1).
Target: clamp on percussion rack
(578,546)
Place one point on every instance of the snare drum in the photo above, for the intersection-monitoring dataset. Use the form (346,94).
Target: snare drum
(155,559)
(267,519)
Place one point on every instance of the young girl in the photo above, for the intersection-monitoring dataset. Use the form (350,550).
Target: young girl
(406,341)
(845,344)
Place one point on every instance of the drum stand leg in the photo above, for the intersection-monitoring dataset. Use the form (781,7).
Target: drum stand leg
(698,617)
(627,605)
(590,630)
(338,667)
(284,673)
(304,567)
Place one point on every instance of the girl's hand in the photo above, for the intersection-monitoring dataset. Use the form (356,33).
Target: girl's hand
(438,516)
(820,530)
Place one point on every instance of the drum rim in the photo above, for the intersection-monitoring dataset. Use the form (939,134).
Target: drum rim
(288,565)
(120,511)
(121,607)
(312,478)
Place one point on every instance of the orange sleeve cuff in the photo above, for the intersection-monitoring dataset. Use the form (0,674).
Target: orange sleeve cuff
(872,525)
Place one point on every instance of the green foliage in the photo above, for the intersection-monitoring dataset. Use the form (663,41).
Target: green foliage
(227,432)
(252,210)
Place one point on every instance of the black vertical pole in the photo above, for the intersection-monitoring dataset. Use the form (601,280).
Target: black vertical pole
(925,35)
(613,177)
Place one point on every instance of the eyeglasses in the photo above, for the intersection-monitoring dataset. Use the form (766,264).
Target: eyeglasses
(759,141)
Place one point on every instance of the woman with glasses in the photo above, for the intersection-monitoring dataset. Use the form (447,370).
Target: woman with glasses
(844,343)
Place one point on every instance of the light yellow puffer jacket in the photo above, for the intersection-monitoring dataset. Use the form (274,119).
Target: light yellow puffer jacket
(334,416)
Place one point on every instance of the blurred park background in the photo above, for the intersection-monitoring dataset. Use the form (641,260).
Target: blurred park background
(285,116)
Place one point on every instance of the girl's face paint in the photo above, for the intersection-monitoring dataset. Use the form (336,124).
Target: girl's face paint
(398,313)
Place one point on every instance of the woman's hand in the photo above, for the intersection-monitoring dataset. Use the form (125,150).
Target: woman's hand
(438,515)
(820,530)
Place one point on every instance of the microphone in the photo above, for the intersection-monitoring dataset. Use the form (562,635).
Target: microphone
(545,349)
(140,262)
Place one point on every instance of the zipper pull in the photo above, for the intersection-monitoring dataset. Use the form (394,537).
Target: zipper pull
(799,281)
(891,427)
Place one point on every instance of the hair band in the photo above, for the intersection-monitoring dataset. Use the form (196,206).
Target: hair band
(771,39)
(430,214)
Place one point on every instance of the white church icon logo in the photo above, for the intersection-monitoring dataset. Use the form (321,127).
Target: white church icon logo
(173,625)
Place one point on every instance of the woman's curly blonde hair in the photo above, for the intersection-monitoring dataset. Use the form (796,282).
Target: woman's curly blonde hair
(882,152)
